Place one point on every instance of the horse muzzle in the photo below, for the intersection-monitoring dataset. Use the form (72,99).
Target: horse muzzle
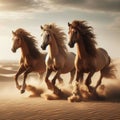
(13,50)
(43,47)
(71,44)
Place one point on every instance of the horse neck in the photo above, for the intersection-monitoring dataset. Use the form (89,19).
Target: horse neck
(81,50)
(53,49)
(24,49)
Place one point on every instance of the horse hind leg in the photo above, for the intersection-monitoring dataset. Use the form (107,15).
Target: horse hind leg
(60,80)
(99,81)
(88,81)
(72,74)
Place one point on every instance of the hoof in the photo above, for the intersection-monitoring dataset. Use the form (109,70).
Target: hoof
(74,98)
(22,91)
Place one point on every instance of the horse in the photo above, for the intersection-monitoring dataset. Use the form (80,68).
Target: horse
(58,58)
(89,59)
(32,60)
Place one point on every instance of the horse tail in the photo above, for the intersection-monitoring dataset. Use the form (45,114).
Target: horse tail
(109,70)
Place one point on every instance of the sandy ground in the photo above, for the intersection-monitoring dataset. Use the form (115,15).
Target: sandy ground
(16,106)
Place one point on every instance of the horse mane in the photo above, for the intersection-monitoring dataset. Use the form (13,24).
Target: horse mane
(59,35)
(30,41)
(87,35)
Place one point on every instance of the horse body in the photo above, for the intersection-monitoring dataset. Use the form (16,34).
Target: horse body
(58,58)
(60,62)
(37,64)
(93,63)
(32,60)
(89,59)
(102,58)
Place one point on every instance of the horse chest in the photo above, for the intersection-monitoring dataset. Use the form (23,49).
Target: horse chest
(26,62)
(51,63)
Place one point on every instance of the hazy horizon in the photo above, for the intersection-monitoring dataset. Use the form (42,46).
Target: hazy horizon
(103,16)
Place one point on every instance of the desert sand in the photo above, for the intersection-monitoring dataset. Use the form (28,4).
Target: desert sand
(33,104)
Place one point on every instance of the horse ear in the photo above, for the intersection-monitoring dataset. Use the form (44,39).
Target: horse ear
(13,32)
(69,24)
(41,27)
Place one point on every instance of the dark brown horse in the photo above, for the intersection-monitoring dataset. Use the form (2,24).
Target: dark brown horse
(89,59)
(32,60)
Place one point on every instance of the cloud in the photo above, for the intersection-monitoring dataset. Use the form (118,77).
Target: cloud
(115,25)
(22,5)
(104,5)
(57,5)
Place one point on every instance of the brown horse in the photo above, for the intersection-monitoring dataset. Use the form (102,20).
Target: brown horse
(58,58)
(89,59)
(32,60)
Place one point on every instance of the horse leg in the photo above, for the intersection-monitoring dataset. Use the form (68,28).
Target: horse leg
(24,81)
(60,80)
(76,94)
(99,81)
(55,77)
(19,72)
(41,75)
(88,81)
(57,91)
(49,85)
(79,77)
(72,74)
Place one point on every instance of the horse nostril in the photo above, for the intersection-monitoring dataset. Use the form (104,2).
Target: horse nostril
(13,50)
(43,47)
(71,44)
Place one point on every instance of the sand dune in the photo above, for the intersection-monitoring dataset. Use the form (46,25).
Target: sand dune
(33,104)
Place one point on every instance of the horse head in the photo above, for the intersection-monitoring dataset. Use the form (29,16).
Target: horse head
(46,37)
(16,42)
(74,35)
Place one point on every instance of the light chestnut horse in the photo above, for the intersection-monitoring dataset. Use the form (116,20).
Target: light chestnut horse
(58,58)
(32,60)
(89,59)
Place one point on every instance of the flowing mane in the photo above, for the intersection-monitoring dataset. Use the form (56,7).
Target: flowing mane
(30,41)
(87,35)
(59,35)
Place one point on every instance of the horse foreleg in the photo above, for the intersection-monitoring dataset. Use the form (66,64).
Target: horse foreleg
(24,81)
(79,77)
(49,85)
(76,94)
(56,90)
(88,81)
(72,74)
(55,77)
(19,72)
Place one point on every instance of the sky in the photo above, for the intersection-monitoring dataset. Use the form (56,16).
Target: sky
(102,15)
